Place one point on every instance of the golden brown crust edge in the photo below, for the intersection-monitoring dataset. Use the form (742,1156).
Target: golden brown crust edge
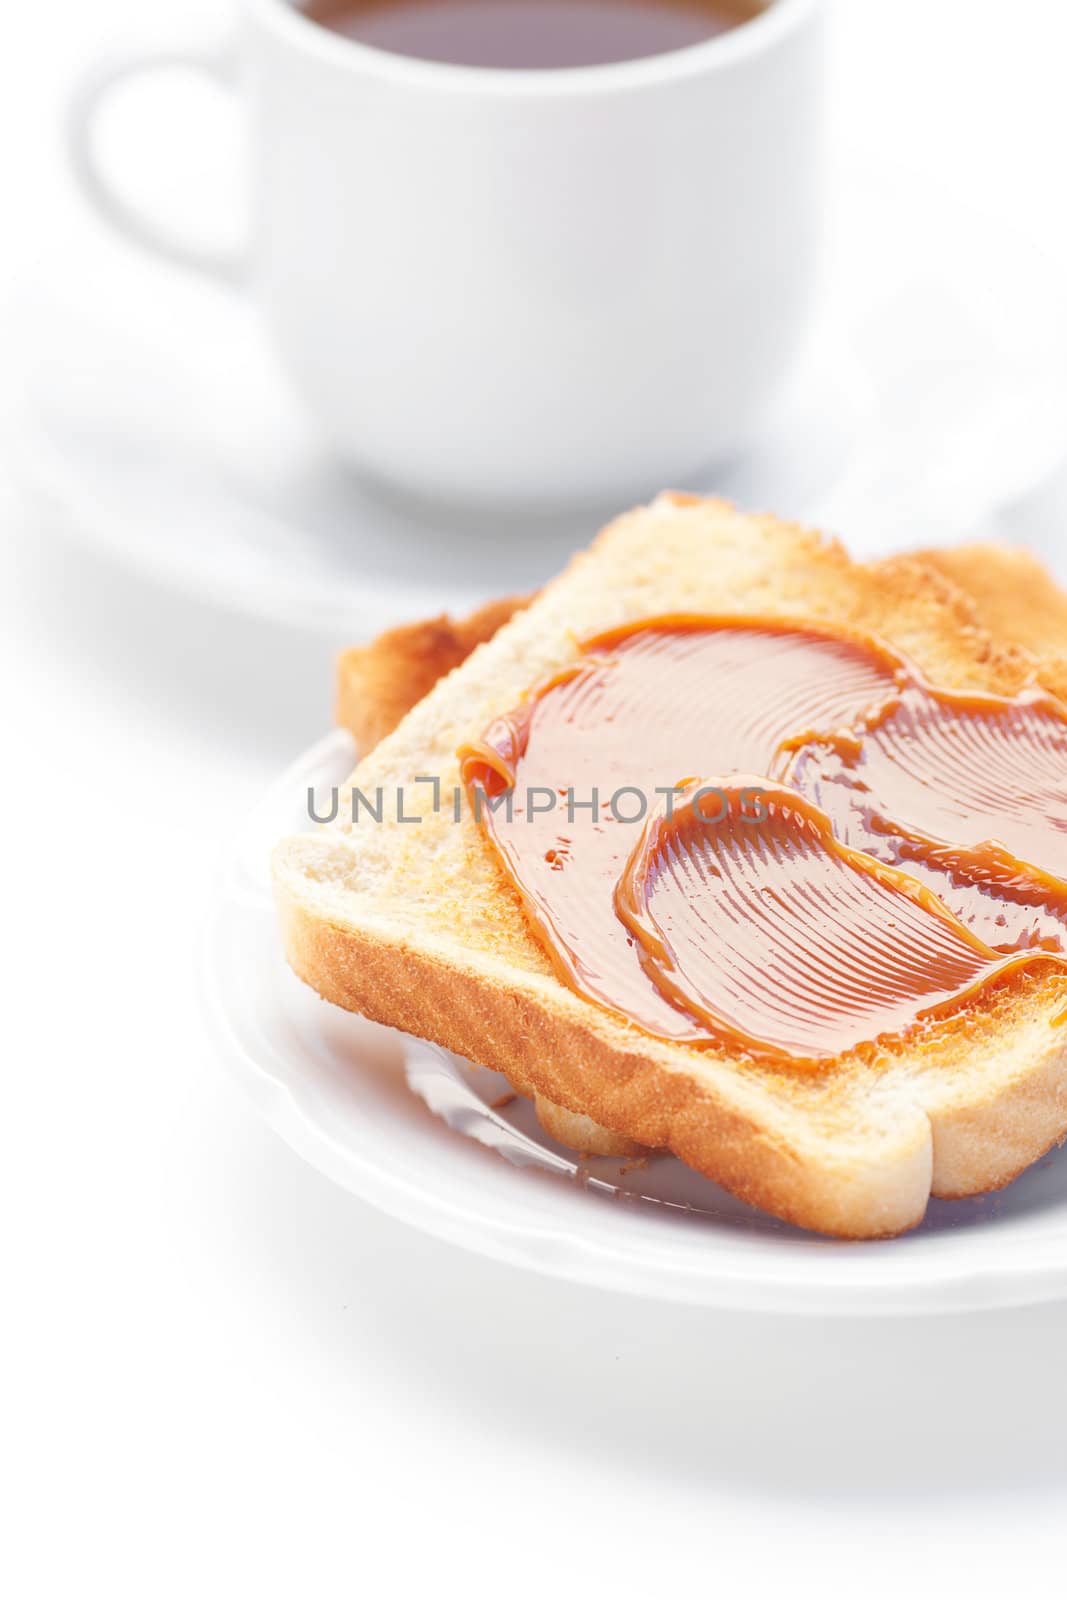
(378,683)
(955,1152)
(1016,599)
(550,1055)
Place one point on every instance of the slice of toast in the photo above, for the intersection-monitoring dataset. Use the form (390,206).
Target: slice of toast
(1014,598)
(415,926)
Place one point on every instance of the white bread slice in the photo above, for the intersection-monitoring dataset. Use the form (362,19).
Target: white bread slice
(1014,598)
(415,926)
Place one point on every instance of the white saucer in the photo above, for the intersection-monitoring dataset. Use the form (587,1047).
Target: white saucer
(147,411)
(420,1135)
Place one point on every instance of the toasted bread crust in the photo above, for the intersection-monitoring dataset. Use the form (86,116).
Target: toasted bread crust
(544,1052)
(854,1151)
(1016,599)
(596,1068)
(378,683)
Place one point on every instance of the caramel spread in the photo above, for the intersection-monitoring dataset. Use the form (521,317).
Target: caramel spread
(776,835)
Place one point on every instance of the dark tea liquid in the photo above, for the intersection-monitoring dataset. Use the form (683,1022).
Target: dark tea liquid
(531,33)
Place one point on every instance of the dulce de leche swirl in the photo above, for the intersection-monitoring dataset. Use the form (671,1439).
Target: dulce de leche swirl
(780,937)
(968,793)
(775,835)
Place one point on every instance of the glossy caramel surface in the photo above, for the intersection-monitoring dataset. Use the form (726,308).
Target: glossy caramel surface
(774,835)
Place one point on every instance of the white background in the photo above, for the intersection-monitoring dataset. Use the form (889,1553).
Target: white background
(224,1376)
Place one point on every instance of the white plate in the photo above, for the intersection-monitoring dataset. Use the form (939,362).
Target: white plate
(417,1133)
(145,409)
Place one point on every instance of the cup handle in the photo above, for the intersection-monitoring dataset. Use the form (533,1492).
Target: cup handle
(218,65)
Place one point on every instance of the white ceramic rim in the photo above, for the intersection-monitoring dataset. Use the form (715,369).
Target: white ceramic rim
(780,20)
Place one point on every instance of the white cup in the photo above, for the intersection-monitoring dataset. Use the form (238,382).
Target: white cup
(537,288)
